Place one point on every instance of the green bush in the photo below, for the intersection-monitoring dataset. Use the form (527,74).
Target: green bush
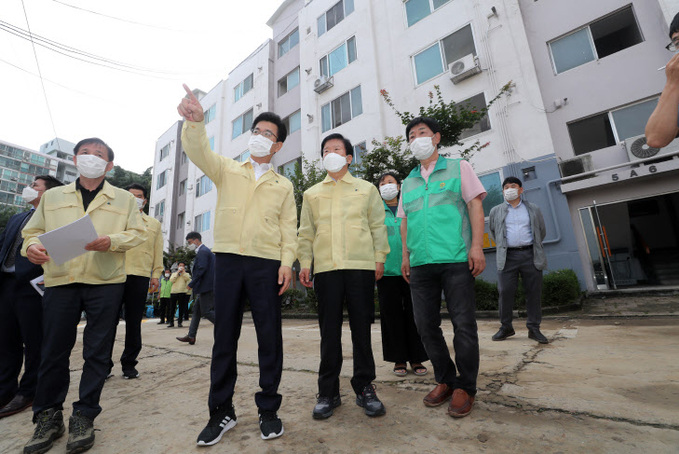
(560,287)
(311,301)
(292,299)
(486,295)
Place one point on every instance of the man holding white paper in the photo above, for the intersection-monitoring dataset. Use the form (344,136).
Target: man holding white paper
(92,282)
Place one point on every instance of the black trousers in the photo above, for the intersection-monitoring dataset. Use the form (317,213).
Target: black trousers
(163,309)
(238,278)
(520,262)
(203,306)
(333,288)
(401,342)
(180,300)
(20,335)
(457,283)
(62,307)
(133,304)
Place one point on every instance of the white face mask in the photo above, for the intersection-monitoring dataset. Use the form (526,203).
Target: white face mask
(181,268)
(332,162)
(90,166)
(140,202)
(511,194)
(422,148)
(167,275)
(29,194)
(259,146)
(389,191)
(191,247)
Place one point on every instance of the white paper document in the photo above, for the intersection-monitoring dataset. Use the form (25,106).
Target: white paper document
(69,241)
(39,284)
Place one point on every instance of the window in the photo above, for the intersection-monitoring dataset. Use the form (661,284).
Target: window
(339,58)
(288,169)
(435,59)
(212,143)
(416,10)
(210,113)
(244,156)
(164,152)
(203,186)
(242,88)
(288,43)
(162,179)
(342,109)
(288,82)
(242,124)
(601,38)
(334,15)
(180,220)
(493,185)
(293,122)
(609,128)
(477,102)
(182,187)
(185,158)
(159,210)
(202,222)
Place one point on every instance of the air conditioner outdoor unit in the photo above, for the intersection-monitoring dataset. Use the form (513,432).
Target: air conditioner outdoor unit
(576,166)
(464,68)
(322,83)
(638,149)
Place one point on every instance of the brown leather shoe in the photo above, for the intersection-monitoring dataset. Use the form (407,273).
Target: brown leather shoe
(438,395)
(461,404)
(190,340)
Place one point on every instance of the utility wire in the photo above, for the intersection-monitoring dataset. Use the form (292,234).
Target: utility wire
(120,19)
(42,83)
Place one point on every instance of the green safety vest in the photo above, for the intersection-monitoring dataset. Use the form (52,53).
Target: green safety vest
(438,222)
(392,266)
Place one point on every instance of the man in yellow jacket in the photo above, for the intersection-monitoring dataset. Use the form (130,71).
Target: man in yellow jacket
(342,231)
(179,295)
(143,265)
(93,282)
(254,249)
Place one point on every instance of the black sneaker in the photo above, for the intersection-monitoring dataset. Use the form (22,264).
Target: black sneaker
(325,406)
(369,401)
(80,433)
(221,420)
(49,427)
(270,425)
(130,374)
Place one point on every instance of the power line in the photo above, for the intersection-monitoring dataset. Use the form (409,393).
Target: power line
(120,19)
(42,83)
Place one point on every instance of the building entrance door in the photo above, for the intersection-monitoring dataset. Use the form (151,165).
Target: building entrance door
(634,243)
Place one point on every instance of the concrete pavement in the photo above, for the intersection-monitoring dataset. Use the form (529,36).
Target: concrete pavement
(608,385)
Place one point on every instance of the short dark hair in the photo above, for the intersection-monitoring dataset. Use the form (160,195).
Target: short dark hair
(512,180)
(430,122)
(275,119)
(388,174)
(348,147)
(674,26)
(50,181)
(97,141)
(194,236)
(138,187)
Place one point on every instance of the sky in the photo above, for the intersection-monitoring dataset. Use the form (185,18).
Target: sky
(158,44)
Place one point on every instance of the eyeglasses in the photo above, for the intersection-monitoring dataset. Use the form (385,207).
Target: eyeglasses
(266,133)
(673,46)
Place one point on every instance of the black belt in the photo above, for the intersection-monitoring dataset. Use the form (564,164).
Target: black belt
(520,248)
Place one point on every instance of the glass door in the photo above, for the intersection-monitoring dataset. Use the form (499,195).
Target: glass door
(598,247)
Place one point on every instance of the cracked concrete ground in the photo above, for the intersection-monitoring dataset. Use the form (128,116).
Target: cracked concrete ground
(600,386)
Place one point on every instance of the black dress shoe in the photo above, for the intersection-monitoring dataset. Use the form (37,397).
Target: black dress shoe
(536,335)
(503,333)
(19,403)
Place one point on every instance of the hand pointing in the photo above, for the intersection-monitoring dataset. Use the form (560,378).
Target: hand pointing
(189,107)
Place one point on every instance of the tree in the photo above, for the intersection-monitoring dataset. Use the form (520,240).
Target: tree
(123,178)
(6,212)
(178,254)
(305,176)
